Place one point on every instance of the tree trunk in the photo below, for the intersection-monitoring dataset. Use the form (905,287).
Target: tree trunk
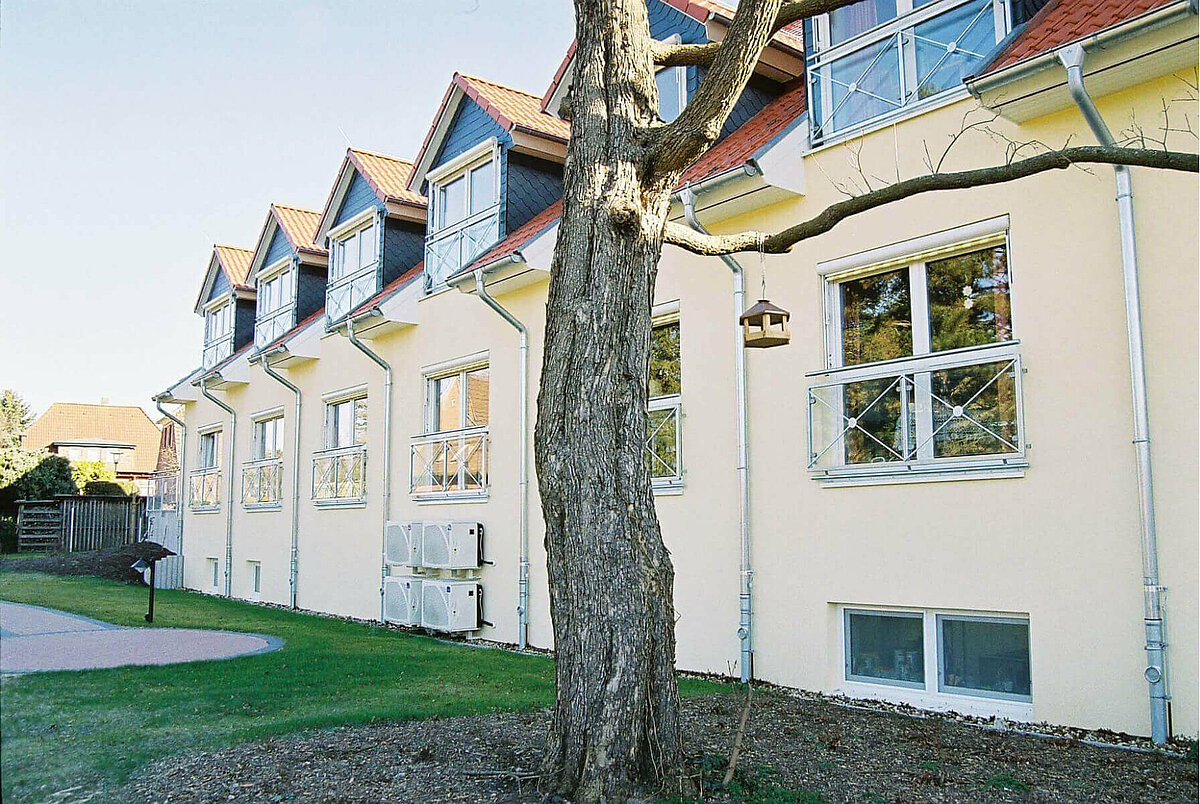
(616,727)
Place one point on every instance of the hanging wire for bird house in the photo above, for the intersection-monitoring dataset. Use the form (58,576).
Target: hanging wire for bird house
(764,325)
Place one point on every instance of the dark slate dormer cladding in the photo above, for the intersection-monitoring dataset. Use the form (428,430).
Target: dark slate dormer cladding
(243,322)
(403,243)
(220,287)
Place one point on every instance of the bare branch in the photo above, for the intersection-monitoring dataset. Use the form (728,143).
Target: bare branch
(781,242)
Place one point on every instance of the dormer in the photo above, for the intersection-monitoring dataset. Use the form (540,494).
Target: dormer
(287,271)
(491,162)
(226,302)
(373,227)
(691,23)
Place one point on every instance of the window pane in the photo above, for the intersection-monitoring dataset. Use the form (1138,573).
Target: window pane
(360,421)
(452,202)
(864,84)
(950,46)
(669,92)
(367,242)
(871,411)
(985,656)
(849,21)
(662,445)
(969,300)
(975,410)
(477,398)
(887,647)
(664,360)
(447,404)
(876,318)
(339,260)
(483,187)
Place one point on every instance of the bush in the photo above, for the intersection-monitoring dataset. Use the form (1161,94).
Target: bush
(8,534)
(28,475)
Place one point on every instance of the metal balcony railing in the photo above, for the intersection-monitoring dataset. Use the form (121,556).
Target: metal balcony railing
(339,474)
(204,488)
(270,326)
(663,441)
(954,410)
(218,350)
(449,250)
(450,463)
(347,292)
(262,483)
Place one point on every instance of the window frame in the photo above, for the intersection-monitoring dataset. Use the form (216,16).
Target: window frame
(930,694)
(458,445)
(209,435)
(461,167)
(219,346)
(666,315)
(353,229)
(214,565)
(357,450)
(848,646)
(914,256)
(824,53)
(431,412)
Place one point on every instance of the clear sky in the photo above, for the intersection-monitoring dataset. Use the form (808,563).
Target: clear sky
(134,134)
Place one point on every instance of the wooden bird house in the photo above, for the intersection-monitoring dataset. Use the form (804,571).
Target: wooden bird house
(764,325)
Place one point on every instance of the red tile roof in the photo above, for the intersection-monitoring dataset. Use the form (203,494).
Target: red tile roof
(525,233)
(299,226)
(387,176)
(235,262)
(1061,22)
(118,424)
(513,108)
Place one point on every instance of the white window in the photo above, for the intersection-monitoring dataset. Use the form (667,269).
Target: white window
(665,408)
(451,458)
(939,659)
(355,252)
(210,450)
(268,438)
(339,470)
(922,365)
(218,333)
(276,292)
(214,574)
(672,92)
(876,59)
(255,579)
(465,219)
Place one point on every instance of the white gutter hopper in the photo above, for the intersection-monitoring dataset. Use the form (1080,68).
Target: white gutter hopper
(1072,58)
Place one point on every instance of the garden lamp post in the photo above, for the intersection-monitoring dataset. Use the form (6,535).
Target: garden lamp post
(141,566)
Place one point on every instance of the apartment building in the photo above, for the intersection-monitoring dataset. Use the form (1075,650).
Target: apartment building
(929,495)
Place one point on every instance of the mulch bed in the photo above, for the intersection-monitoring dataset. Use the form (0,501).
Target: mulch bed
(845,754)
(113,563)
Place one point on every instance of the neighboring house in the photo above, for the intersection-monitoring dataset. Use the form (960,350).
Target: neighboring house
(940,505)
(121,436)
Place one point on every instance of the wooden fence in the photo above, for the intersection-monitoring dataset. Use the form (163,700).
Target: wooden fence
(70,524)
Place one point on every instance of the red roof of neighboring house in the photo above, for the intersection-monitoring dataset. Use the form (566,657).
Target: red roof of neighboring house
(299,226)
(235,262)
(113,424)
(387,175)
(1061,22)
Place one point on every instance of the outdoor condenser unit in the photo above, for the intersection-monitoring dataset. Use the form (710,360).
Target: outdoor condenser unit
(450,605)
(451,545)
(402,600)
(403,540)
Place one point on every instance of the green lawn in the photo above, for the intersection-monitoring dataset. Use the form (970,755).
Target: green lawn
(95,728)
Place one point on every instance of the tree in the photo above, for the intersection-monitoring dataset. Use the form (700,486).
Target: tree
(616,726)
(15,418)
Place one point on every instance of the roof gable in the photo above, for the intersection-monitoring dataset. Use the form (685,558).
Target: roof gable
(286,231)
(228,270)
(366,175)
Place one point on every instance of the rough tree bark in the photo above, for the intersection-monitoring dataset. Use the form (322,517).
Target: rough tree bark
(616,724)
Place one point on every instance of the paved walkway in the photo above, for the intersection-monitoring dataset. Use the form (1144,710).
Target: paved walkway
(34,639)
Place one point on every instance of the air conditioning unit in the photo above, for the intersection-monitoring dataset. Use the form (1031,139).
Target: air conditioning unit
(403,543)
(451,545)
(402,600)
(450,605)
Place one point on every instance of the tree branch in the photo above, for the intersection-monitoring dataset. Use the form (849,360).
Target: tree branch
(676,145)
(782,242)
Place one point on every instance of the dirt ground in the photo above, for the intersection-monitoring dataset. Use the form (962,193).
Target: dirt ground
(844,754)
(113,563)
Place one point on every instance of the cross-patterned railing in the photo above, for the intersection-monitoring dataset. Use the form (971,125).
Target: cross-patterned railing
(339,474)
(953,410)
(448,251)
(262,483)
(347,292)
(270,326)
(663,441)
(204,488)
(218,350)
(900,64)
(450,463)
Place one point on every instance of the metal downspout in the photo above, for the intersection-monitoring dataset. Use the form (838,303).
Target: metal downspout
(1072,58)
(229,500)
(387,454)
(523,438)
(182,457)
(746,615)
(294,563)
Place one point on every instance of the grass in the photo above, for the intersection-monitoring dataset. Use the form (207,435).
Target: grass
(95,728)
